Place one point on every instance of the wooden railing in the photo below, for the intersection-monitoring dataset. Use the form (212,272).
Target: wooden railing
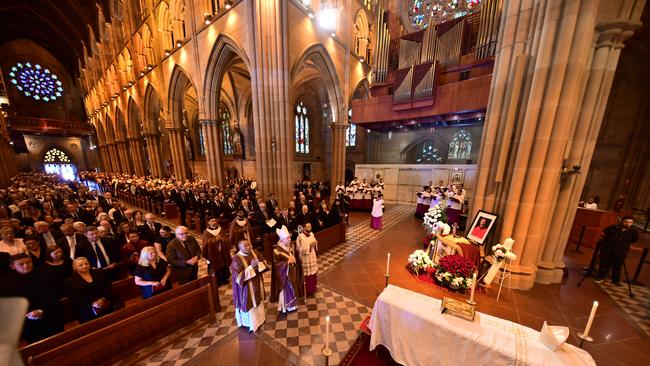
(119,334)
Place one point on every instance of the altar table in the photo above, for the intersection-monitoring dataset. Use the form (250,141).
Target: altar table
(412,328)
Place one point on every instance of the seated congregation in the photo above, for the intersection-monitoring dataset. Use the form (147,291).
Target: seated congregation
(84,259)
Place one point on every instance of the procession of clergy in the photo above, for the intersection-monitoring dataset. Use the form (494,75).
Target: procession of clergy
(294,264)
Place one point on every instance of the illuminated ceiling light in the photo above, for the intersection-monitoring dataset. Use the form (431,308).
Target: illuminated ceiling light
(228,4)
(207,18)
(179,43)
(327,18)
(362,59)
(150,66)
(306,3)
(333,35)
(141,73)
(310,14)
(168,52)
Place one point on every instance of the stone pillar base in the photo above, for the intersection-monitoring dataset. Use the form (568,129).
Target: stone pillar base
(521,278)
(550,272)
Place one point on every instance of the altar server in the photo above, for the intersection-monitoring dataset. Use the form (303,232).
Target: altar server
(377,212)
(308,247)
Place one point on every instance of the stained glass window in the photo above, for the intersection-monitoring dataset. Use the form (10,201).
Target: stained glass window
(421,13)
(225,127)
(201,141)
(350,132)
(460,146)
(429,154)
(58,162)
(302,129)
(35,81)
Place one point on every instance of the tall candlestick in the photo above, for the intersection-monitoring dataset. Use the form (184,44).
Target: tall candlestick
(327,331)
(591,319)
(387,264)
(473,288)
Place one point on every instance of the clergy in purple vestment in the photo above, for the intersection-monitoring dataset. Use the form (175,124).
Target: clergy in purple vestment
(247,270)
(284,273)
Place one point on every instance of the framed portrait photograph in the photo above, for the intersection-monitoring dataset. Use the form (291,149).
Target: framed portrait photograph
(481,226)
(456,177)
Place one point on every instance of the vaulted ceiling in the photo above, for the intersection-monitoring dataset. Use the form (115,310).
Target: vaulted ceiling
(59,26)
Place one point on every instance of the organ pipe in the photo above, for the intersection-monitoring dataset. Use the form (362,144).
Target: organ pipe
(425,88)
(403,92)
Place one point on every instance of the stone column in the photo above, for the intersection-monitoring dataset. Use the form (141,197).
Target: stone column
(601,71)
(113,159)
(534,120)
(101,157)
(136,152)
(123,156)
(213,151)
(338,152)
(153,150)
(270,82)
(178,152)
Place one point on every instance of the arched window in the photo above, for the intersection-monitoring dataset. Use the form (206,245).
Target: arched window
(361,31)
(429,154)
(35,81)
(350,132)
(460,146)
(224,113)
(302,129)
(58,162)
(421,13)
(201,142)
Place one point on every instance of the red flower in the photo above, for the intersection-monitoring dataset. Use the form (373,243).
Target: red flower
(456,265)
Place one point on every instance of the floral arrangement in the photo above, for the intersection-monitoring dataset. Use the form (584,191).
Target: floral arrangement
(455,272)
(419,261)
(502,252)
(436,215)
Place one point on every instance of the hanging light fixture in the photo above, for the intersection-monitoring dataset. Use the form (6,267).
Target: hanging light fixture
(327,18)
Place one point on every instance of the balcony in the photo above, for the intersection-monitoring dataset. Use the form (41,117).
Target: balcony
(46,126)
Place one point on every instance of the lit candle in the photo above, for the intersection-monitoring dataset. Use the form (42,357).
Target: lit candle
(591,319)
(387,263)
(327,330)
(471,297)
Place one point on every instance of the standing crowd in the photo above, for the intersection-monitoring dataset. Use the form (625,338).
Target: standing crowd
(67,242)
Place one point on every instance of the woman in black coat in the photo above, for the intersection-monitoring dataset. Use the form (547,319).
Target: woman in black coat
(89,291)
(53,275)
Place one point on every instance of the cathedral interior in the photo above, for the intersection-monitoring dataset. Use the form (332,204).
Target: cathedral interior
(529,111)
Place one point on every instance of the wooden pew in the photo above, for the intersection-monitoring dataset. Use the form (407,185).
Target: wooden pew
(119,334)
(330,237)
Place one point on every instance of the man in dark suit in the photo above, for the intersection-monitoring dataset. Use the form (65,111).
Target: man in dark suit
(183,204)
(151,228)
(106,201)
(183,255)
(71,212)
(23,214)
(70,240)
(100,252)
(271,203)
(262,216)
(46,236)
(230,210)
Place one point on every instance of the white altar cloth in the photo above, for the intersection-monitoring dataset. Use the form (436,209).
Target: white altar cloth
(412,328)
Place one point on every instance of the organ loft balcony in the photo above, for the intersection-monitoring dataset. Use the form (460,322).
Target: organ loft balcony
(440,75)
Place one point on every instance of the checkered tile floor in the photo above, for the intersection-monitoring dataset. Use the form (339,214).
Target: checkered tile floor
(638,308)
(359,235)
(298,335)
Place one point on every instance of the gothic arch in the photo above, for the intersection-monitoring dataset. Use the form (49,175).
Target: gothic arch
(58,147)
(315,63)
(224,53)
(361,34)
(152,109)
(134,119)
(178,86)
(120,125)
(110,129)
